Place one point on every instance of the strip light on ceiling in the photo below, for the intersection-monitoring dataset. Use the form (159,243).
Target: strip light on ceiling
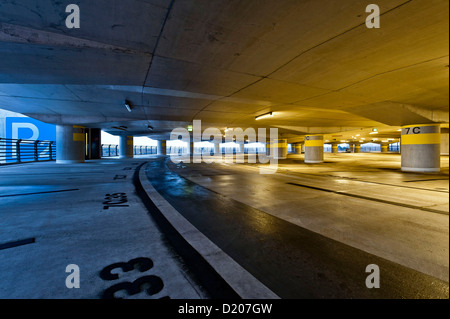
(263,116)
(128,105)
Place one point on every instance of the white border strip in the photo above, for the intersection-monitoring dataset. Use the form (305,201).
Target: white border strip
(242,282)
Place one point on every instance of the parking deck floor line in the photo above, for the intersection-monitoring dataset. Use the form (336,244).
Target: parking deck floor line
(290,260)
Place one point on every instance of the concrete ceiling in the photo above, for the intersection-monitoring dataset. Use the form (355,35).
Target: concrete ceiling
(314,63)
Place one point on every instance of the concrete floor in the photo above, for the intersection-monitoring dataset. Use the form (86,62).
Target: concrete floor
(360,205)
(63,208)
(402,217)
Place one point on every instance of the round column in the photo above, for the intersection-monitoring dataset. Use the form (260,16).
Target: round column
(313,149)
(279,148)
(126,147)
(217,149)
(357,148)
(70,144)
(242,148)
(384,148)
(421,148)
(334,148)
(161,148)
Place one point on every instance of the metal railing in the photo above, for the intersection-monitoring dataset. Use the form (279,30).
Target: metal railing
(112,150)
(13,151)
(145,150)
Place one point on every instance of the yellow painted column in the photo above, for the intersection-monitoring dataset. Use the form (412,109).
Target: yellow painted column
(313,149)
(334,148)
(126,147)
(161,147)
(279,148)
(421,148)
(297,148)
(70,144)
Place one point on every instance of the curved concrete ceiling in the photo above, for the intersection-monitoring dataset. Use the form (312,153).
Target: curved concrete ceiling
(312,62)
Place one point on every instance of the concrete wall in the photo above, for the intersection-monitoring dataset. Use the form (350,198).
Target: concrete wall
(444,142)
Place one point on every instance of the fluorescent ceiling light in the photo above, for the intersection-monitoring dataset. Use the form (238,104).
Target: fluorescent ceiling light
(128,105)
(263,116)
(373,133)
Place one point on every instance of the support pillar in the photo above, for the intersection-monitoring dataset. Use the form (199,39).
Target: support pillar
(217,150)
(384,148)
(421,148)
(279,149)
(70,144)
(444,141)
(313,149)
(126,146)
(161,148)
(295,149)
(357,148)
(94,143)
(334,148)
(242,148)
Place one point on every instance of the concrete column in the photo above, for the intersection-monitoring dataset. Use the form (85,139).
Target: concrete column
(421,148)
(126,147)
(357,148)
(294,149)
(444,141)
(70,144)
(242,148)
(192,148)
(384,148)
(313,149)
(217,149)
(94,147)
(334,148)
(298,148)
(279,148)
(161,147)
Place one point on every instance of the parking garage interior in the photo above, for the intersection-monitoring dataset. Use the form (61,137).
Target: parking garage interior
(224,149)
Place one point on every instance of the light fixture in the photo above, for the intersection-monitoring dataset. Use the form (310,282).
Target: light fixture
(190,128)
(372,133)
(150,127)
(260,117)
(128,105)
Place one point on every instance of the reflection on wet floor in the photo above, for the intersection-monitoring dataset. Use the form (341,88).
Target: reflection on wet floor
(292,261)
